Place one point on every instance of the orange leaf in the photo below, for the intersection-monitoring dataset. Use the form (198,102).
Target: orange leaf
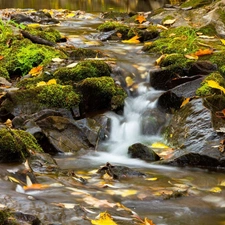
(35,187)
(140,18)
(201,52)
(133,40)
(1,57)
(36,70)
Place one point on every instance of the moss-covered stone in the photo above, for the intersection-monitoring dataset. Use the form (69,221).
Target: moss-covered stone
(195,3)
(15,145)
(218,58)
(4,73)
(101,93)
(208,29)
(48,33)
(84,69)
(81,53)
(181,40)
(7,218)
(205,90)
(58,96)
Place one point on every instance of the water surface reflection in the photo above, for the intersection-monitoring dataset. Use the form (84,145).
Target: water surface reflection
(90,6)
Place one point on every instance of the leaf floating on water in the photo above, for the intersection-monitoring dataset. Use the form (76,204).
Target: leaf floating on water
(214,84)
(186,100)
(133,40)
(159,145)
(36,70)
(104,219)
(215,190)
(129,81)
(140,18)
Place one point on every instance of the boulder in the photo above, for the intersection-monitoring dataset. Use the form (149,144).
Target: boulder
(141,151)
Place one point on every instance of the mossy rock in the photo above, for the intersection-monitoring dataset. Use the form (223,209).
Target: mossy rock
(208,29)
(205,90)
(84,69)
(4,73)
(48,33)
(82,53)
(58,96)
(218,58)
(15,145)
(101,94)
(119,27)
(182,40)
(7,218)
(195,3)
(23,55)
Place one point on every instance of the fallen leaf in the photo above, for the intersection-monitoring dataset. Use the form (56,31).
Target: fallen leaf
(70,15)
(8,123)
(122,207)
(169,22)
(161,27)
(140,18)
(159,60)
(1,57)
(64,205)
(152,178)
(97,202)
(215,190)
(52,81)
(223,41)
(33,25)
(214,84)
(202,52)
(36,70)
(129,81)
(159,145)
(57,60)
(186,100)
(41,83)
(104,219)
(191,56)
(133,40)
(123,193)
(147,222)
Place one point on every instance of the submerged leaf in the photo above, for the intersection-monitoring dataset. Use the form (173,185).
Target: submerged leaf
(133,40)
(104,219)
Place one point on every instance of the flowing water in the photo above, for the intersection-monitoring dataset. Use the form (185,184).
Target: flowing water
(169,195)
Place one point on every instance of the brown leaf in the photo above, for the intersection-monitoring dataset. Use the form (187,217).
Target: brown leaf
(202,52)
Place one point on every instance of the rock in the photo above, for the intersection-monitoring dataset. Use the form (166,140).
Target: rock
(201,68)
(141,151)
(21,18)
(190,132)
(119,172)
(65,135)
(168,102)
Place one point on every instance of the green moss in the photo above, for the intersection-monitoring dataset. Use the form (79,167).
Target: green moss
(195,3)
(99,93)
(4,73)
(58,96)
(209,30)
(7,218)
(181,40)
(218,58)
(81,53)
(205,90)
(15,145)
(84,69)
(49,33)
(221,14)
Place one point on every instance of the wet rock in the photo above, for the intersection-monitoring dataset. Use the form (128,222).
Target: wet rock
(4,82)
(65,135)
(21,18)
(195,160)
(42,163)
(168,102)
(43,17)
(141,151)
(26,218)
(119,172)
(201,68)
(190,131)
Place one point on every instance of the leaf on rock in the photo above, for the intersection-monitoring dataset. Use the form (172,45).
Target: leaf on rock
(214,84)
(70,15)
(52,81)
(159,145)
(186,100)
(147,222)
(169,22)
(34,25)
(133,40)
(140,18)
(104,219)
(202,52)
(36,71)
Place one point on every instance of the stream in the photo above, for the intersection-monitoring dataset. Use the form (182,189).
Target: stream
(167,196)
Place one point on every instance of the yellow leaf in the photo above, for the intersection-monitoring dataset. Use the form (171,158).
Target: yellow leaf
(152,178)
(104,219)
(215,190)
(133,40)
(70,15)
(36,70)
(33,25)
(129,81)
(123,193)
(186,100)
(8,123)
(140,18)
(159,60)
(12,179)
(191,56)
(169,22)
(214,84)
(159,145)
(41,83)
(52,81)
(223,41)
(147,222)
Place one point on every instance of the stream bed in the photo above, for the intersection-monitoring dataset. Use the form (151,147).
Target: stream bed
(166,195)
